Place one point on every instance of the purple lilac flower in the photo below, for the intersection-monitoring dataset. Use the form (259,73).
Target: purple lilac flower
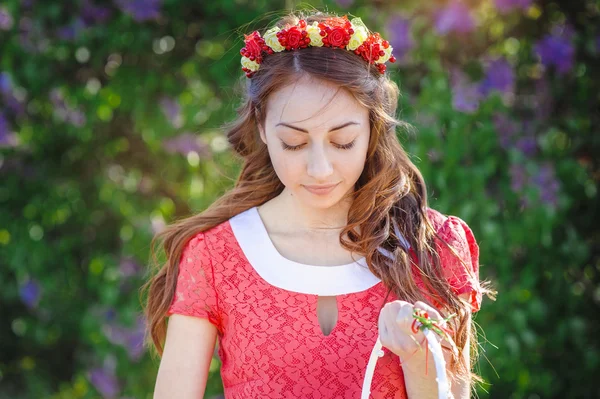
(466,95)
(543,100)
(527,144)
(505,6)
(129,267)
(557,50)
(131,338)
(26,25)
(455,17)
(6,20)
(7,93)
(519,177)
(30,293)
(116,334)
(31,36)
(499,76)
(506,129)
(135,340)
(172,111)
(14,104)
(64,111)
(105,382)
(72,31)
(186,143)
(76,117)
(93,14)
(515,134)
(400,35)
(110,314)
(5,133)
(7,137)
(548,184)
(5,83)
(19,167)
(140,10)
(56,97)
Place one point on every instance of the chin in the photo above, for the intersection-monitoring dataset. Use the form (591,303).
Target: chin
(319,202)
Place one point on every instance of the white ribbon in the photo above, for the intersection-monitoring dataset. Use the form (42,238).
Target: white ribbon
(440,364)
(376,353)
(432,341)
(438,357)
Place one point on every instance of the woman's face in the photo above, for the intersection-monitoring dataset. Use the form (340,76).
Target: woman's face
(317,143)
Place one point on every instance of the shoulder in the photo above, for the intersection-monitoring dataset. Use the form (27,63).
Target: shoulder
(219,232)
(452,229)
(217,242)
(460,257)
(440,220)
(455,241)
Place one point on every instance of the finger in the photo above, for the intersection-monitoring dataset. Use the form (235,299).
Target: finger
(433,315)
(431,311)
(383,330)
(387,322)
(386,316)
(384,326)
(404,315)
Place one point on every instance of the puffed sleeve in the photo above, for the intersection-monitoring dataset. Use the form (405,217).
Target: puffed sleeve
(195,294)
(462,271)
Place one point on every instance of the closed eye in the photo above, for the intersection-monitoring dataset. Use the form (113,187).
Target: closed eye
(291,147)
(297,147)
(346,146)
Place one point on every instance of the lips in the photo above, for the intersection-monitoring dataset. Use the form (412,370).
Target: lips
(321,189)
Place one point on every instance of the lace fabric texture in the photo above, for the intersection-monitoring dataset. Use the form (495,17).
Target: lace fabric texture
(270,341)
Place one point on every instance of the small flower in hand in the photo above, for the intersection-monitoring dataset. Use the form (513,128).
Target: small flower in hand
(401,324)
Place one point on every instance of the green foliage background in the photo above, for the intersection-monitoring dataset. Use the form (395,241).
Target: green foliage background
(110,128)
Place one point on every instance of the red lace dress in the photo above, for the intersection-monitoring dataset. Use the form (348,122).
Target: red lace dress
(265,309)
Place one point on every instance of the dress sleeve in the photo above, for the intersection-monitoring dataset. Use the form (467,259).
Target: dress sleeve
(195,293)
(462,272)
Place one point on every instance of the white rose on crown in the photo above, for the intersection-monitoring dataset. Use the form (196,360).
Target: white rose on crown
(314,33)
(358,37)
(272,40)
(384,58)
(251,65)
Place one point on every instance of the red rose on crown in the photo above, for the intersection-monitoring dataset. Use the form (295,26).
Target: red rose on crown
(337,37)
(335,32)
(293,38)
(253,46)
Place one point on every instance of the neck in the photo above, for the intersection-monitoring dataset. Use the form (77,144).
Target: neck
(298,216)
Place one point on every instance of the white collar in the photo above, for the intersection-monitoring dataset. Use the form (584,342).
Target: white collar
(253,238)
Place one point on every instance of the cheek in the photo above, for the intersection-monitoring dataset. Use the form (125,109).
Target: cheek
(287,166)
(353,166)
(354,163)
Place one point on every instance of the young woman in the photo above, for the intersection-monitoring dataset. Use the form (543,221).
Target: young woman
(324,245)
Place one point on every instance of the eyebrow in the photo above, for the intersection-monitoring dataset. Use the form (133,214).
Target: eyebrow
(306,131)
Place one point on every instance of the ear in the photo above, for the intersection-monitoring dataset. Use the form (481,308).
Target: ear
(261,128)
(261,131)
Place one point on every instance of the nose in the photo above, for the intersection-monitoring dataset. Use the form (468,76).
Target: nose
(319,167)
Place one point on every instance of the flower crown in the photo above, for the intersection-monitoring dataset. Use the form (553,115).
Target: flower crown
(336,32)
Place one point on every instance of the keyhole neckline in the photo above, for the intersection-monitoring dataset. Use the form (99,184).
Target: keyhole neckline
(253,238)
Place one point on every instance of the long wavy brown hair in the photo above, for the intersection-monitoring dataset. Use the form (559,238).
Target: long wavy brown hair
(390,188)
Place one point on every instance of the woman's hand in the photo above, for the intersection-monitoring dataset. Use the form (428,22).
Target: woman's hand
(395,327)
